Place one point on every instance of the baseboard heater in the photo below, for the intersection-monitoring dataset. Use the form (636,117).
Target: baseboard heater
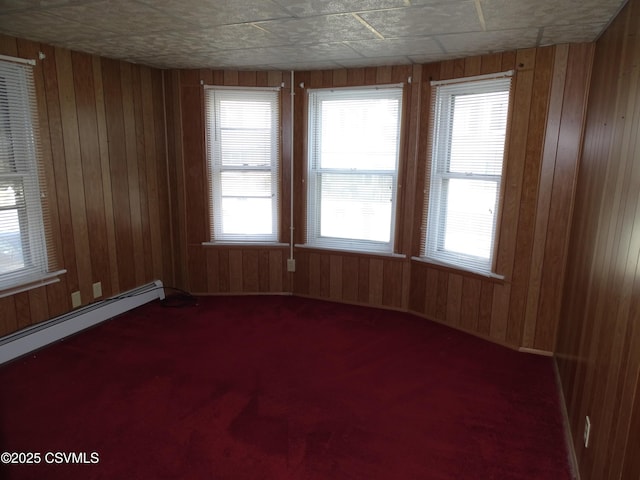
(32,338)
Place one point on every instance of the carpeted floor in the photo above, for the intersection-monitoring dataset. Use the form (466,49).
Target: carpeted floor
(280,388)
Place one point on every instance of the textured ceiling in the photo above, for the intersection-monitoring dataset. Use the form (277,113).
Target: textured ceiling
(301,34)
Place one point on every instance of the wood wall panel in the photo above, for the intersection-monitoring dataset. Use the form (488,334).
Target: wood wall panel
(598,347)
(238,270)
(504,310)
(214,269)
(350,278)
(88,128)
(539,170)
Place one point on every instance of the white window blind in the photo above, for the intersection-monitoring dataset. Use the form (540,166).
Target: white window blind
(469,122)
(243,150)
(354,139)
(23,229)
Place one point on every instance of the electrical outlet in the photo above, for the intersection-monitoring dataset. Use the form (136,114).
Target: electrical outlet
(291,264)
(76,300)
(97,290)
(587,431)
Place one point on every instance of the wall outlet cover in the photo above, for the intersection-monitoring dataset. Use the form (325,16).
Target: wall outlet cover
(76,300)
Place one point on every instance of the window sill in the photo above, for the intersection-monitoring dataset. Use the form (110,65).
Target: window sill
(306,246)
(451,266)
(244,244)
(31,283)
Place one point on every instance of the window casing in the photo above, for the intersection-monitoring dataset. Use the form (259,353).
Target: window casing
(243,151)
(23,245)
(353,149)
(469,121)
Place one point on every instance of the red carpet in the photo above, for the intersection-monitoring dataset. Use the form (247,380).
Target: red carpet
(281,388)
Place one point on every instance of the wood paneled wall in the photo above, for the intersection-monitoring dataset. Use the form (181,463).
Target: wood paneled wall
(545,132)
(598,349)
(374,280)
(548,107)
(219,268)
(103,141)
(544,143)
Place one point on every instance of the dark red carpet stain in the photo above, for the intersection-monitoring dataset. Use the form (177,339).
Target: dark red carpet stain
(282,388)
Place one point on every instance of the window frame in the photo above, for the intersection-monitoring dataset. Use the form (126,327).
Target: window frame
(24,171)
(215,168)
(438,176)
(314,171)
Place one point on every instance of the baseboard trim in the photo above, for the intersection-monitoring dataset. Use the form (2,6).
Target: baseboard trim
(535,351)
(568,437)
(37,336)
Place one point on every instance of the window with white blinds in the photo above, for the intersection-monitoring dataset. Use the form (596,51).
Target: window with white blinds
(354,139)
(469,121)
(242,126)
(23,244)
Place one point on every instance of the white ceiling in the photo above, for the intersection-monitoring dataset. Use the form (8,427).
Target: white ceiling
(301,34)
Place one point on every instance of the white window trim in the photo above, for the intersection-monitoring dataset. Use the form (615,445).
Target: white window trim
(430,250)
(36,272)
(313,237)
(215,169)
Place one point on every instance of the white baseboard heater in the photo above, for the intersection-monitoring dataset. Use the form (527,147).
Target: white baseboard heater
(32,338)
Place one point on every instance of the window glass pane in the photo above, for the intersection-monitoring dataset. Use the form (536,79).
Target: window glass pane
(469,134)
(478,133)
(11,257)
(356,207)
(246,184)
(243,154)
(246,216)
(354,138)
(470,208)
(243,147)
(359,134)
(7,164)
(245,114)
(9,194)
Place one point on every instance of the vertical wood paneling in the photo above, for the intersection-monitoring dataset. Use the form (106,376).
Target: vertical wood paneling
(547,168)
(87,120)
(68,253)
(23,309)
(335,277)
(9,320)
(250,271)
(131,154)
(454,300)
(431,293)
(418,289)
(223,271)
(119,172)
(518,131)
(599,340)
(325,275)
(75,174)
(275,271)
(214,268)
(236,273)
(350,280)
(376,281)
(529,192)
(38,305)
(173,108)
(103,141)
(565,173)
(151,214)
(507,311)
(469,309)
(91,168)
(393,283)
